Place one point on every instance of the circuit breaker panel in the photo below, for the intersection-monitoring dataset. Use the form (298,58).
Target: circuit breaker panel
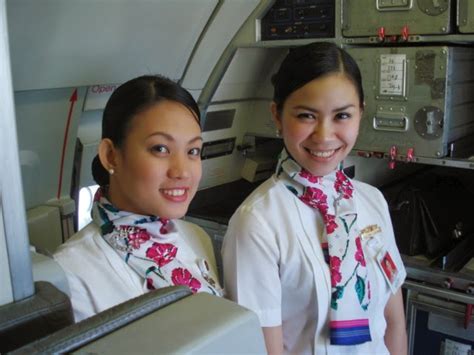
(292,19)
(418,99)
(366,18)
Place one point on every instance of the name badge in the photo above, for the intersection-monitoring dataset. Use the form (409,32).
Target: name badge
(389,270)
(370,231)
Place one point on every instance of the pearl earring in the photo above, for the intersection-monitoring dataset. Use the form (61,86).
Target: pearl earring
(111,171)
(278,133)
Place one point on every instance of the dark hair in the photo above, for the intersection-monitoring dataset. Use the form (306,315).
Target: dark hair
(312,61)
(128,100)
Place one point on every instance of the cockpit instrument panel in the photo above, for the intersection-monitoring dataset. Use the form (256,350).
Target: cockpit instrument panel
(292,19)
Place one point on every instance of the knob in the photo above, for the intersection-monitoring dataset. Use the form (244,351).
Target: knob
(448,283)
(364,154)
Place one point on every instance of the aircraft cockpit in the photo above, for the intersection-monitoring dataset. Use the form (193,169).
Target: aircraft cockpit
(61,62)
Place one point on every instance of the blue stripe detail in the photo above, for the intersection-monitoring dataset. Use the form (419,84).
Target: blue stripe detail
(350,336)
(326,255)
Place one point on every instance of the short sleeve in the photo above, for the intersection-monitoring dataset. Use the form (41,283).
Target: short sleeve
(250,257)
(81,299)
(391,244)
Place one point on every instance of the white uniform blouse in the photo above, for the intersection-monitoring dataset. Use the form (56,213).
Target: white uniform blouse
(274,265)
(99,278)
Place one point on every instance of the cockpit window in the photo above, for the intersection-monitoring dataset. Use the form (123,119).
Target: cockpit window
(86,198)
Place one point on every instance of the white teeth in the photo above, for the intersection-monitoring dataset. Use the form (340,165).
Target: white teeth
(322,154)
(177,192)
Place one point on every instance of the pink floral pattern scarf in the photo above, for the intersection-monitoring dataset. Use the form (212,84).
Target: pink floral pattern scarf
(332,197)
(153,248)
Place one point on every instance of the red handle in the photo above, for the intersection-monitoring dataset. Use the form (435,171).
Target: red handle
(467,315)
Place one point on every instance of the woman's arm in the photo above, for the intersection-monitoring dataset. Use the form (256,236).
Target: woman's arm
(273,340)
(395,335)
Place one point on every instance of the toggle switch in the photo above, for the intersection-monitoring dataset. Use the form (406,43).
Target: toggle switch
(381,34)
(448,283)
(405,33)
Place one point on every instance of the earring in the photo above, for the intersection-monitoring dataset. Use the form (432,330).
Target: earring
(111,171)
(278,133)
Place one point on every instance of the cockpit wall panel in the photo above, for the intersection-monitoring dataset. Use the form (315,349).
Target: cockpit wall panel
(42,119)
(228,20)
(57,47)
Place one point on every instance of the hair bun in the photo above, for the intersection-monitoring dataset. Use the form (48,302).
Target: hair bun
(99,173)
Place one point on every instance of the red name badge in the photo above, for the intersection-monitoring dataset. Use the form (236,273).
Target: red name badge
(389,269)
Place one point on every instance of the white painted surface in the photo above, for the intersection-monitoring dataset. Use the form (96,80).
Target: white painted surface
(228,20)
(14,233)
(98,95)
(57,43)
(6,293)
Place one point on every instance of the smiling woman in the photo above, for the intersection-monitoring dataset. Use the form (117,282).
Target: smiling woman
(148,169)
(320,122)
(295,252)
(157,171)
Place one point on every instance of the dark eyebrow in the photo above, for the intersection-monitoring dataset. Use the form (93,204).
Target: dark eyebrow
(312,109)
(171,138)
(196,139)
(343,108)
(304,107)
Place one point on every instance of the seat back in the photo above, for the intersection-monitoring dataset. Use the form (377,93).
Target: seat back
(22,322)
(199,324)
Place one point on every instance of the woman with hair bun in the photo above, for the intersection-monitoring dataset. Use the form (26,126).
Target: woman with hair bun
(306,250)
(148,167)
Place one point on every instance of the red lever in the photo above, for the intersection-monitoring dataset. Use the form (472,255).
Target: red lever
(392,157)
(381,33)
(410,155)
(467,315)
(405,33)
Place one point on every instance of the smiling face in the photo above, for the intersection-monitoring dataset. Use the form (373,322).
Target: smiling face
(158,168)
(319,122)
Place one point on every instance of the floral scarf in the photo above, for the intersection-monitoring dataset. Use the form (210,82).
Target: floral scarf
(153,248)
(332,196)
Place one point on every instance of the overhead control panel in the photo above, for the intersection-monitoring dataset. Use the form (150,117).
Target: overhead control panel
(293,19)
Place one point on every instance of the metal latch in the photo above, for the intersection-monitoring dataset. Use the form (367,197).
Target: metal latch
(390,122)
(394,5)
